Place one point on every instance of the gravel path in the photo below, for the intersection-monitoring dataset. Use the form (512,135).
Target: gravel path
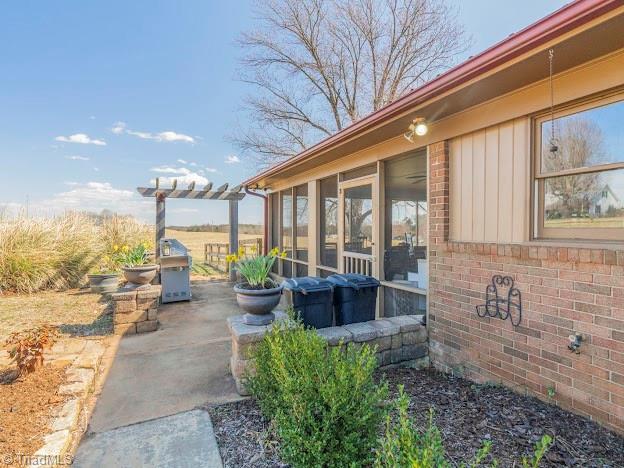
(466,414)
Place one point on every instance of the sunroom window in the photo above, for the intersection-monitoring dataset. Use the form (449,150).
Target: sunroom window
(580,172)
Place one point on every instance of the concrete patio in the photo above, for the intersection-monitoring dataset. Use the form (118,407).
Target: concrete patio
(183,365)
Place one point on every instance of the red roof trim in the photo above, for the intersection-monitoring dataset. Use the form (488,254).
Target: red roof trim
(556,24)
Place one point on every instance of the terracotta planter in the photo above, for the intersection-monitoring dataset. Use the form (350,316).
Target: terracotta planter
(257,303)
(141,274)
(103,283)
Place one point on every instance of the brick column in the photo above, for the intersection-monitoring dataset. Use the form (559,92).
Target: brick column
(442,346)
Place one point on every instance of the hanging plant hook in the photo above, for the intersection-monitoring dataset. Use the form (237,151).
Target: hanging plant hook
(554,146)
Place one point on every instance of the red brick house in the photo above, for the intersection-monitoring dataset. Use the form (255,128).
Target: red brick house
(486,191)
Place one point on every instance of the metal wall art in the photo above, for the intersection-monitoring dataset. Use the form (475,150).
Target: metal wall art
(503,306)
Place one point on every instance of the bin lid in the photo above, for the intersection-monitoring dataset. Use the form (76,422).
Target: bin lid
(353,280)
(307,284)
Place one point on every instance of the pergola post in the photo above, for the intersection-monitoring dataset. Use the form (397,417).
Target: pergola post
(233,233)
(160,222)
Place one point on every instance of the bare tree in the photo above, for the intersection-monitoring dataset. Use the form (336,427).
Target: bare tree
(319,65)
(580,144)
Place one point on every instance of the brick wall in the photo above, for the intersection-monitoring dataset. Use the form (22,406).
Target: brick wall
(564,290)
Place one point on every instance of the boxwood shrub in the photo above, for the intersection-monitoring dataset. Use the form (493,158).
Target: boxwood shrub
(325,405)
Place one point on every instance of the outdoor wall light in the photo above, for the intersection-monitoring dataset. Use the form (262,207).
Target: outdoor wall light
(418,127)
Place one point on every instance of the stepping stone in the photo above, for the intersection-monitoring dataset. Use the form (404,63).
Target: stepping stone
(183,440)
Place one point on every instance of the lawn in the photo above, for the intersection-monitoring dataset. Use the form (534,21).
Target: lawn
(195,242)
(75,312)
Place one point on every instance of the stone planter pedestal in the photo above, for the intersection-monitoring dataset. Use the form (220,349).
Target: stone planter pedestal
(400,341)
(136,311)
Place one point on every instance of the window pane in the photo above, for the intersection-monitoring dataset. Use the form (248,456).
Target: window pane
(287,222)
(329,222)
(399,302)
(286,268)
(588,138)
(324,273)
(302,270)
(585,201)
(360,172)
(358,219)
(274,221)
(301,225)
(406,219)
(274,226)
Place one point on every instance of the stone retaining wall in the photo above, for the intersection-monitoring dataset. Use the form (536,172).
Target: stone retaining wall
(400,340)
(136,311)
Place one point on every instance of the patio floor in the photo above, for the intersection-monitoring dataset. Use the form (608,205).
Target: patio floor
(183,365)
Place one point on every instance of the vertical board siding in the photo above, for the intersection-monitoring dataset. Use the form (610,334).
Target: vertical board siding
(466,189)
(491,184)
(489,178)
(478,185)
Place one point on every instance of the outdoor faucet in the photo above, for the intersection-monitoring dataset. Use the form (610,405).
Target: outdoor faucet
(575,342)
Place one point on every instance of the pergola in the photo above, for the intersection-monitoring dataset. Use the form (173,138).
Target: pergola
(233,196)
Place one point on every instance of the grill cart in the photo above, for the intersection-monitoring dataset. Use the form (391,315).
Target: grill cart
(175,268)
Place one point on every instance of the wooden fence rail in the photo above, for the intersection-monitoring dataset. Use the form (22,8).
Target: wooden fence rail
(215,252)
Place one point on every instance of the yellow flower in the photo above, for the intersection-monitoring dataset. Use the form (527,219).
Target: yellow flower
(125,248)
(241,251)
(274,252)
(283,254)
(106,258)
(115,248)
(253,249)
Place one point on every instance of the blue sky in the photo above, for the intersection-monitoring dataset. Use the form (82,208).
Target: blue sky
(97,98)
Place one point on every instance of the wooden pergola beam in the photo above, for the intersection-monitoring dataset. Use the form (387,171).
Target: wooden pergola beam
(233,196)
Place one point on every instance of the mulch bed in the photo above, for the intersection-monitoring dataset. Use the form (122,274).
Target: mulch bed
(466,414)
(26,407)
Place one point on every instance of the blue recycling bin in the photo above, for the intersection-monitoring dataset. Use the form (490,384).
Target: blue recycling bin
(311,299)
(355,297)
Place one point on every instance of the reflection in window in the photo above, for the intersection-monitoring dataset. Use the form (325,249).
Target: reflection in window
(406,220)
(329,222)
(586,201)
(301,222)
(287,222)
(358,233)
(584,139)
(593,200)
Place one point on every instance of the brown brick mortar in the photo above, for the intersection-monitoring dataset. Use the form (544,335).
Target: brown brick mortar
(565,289)
(554,253)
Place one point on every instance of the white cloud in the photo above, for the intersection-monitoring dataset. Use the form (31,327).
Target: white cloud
(167,136)
(233,159)
(97,196)
(182,174)
(77,158)
(170,170)
(182,161)
(118,128)
(210,169)
(82,138)
(183,179)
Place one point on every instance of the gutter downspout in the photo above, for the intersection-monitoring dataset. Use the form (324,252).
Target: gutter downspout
(265,247)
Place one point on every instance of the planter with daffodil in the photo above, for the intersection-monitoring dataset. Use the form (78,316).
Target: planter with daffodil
(258,294)
(136,265)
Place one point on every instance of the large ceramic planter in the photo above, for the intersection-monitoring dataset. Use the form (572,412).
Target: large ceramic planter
(257,303)
(140,275)
(103,283)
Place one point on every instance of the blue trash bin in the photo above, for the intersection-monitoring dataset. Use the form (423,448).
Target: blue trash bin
(311,299)
(355,297)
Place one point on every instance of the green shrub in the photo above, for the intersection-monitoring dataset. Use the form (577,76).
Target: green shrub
(404,445)
(325,405)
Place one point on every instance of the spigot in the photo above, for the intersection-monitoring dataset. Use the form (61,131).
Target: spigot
(575,342)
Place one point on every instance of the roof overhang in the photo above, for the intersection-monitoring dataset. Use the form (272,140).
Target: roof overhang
(581,31)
